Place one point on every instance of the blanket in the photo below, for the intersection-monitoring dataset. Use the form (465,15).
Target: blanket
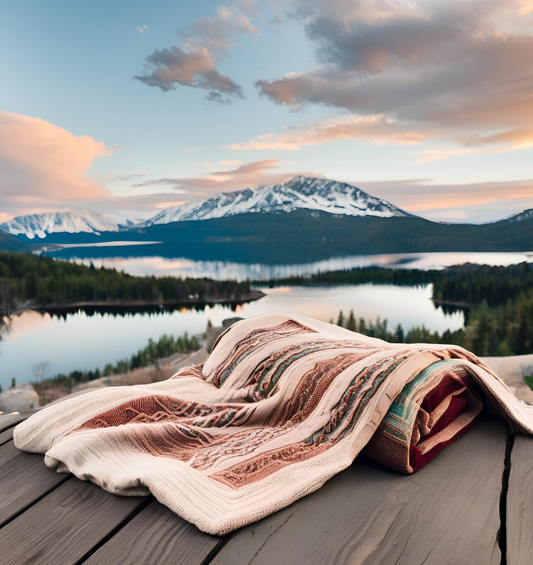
(281,405)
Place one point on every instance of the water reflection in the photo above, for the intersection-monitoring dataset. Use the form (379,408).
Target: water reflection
(224,270)
(86,341)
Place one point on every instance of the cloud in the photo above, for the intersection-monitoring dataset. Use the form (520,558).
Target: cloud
(194,63)
(141,29)
(192,66)
(43,164)
(378,129)
(244,176)
(462,67)
(125,177)
(136,206)
(248,7)
(420,195)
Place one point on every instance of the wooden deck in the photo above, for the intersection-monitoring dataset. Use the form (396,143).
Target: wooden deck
(473,504)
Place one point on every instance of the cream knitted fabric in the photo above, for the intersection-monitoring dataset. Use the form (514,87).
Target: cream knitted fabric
(281,405)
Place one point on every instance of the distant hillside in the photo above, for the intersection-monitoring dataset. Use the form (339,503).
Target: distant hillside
(9,242)
(305,236)
(301,219)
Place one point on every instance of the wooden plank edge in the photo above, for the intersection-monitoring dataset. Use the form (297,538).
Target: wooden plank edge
(216,550)
(6,436)
(116,529)
(502,536)
(67,476)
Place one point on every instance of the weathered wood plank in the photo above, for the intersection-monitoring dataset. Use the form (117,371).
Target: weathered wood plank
(9,420)
(156,535)
(6,436)
(24,478)
(65,525)
(446,513)
(519,527)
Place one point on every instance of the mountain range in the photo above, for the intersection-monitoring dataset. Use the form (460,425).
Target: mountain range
(67,221)
(300,219)
(297,193)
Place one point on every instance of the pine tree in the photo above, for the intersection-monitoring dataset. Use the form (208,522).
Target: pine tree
(340,321)
(351,325)
(399,334)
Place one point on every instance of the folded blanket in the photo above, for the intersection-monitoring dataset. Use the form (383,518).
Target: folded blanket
(281,405)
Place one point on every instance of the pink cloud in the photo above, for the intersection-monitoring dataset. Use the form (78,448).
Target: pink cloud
(250,174)
(43,164)
(377,129)
(461,68)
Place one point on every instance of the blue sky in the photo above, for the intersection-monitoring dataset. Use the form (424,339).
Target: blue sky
(404,99)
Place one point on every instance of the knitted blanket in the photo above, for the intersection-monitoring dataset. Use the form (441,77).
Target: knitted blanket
(281,405)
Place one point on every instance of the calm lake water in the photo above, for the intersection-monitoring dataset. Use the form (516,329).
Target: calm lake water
(223,270)
(82,341)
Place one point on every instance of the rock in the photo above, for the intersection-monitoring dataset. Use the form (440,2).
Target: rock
(511,370)
(19,398)
(230,321)
(212,334)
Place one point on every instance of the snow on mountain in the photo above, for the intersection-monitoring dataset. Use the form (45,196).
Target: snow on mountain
(71,221)
(296,193)
(521,216)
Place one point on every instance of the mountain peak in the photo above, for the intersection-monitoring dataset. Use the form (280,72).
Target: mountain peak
(70,220)
(298,192)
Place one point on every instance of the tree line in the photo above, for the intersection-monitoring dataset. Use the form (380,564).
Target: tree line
(45,281)
(469,284)
(506,329)
(154,351)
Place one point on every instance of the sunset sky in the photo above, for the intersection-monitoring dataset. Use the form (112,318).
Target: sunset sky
(132,106)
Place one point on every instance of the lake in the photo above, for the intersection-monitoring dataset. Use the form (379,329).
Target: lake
(224,270)
(82,341)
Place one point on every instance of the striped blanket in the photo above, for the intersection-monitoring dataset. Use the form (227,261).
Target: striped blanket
(281,405)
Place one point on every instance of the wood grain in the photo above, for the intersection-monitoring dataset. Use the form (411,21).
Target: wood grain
(10,420)
(24,478)
(6,436)
(65,525)
(156,535)
(367,515)
(520,503)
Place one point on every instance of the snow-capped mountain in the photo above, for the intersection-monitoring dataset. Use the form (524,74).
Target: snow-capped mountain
(521,216)
(296,193)
(70,221)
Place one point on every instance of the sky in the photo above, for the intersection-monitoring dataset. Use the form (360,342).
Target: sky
(131,106)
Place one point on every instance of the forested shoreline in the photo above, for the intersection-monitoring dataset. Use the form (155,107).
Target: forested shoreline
(467,283)
(42,281)
(499,322)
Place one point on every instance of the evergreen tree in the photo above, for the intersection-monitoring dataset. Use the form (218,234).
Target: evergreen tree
(340,320)
(351,324)
(399,334)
